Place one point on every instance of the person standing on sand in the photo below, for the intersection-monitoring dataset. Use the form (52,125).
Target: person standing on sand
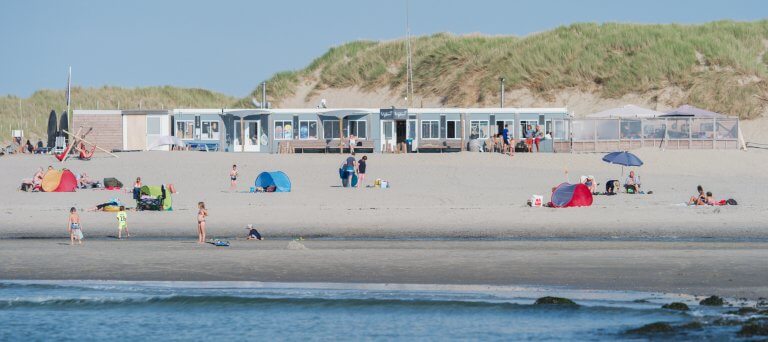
(122,223)
(361,170)
(74,228)
(202,213)
(351,167)
(233,178)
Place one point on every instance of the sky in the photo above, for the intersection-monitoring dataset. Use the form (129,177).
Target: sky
(230,46)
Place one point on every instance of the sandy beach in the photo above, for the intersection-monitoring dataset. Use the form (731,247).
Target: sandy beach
(432,196)
(446,202)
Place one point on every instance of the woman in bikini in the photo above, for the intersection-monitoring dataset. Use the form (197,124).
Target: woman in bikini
(201,214)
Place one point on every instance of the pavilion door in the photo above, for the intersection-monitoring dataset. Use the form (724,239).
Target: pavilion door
(247,136)
(388,135)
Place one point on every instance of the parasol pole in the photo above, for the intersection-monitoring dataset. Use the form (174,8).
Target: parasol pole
(90,143)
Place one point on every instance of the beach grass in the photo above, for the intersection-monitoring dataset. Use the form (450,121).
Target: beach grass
(721,66)
(31,114)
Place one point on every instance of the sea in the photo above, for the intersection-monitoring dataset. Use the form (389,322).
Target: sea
(184,311)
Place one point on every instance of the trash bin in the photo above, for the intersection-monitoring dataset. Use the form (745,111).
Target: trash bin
(409,142)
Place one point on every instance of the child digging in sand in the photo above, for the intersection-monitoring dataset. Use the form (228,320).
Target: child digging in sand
(74,228)
(122,223)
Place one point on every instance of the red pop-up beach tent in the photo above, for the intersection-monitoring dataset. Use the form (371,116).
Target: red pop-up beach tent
(571,195)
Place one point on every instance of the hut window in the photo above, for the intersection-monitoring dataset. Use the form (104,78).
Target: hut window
(430,129)
(283,130)
(308,129)
(357,127)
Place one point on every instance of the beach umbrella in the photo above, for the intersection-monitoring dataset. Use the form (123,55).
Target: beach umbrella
(52,129)
(64,126)
(623,158)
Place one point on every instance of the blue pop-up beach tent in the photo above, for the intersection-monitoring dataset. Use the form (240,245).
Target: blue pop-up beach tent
(277,178)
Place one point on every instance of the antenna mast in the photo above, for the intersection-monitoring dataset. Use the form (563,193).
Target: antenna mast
(409,61)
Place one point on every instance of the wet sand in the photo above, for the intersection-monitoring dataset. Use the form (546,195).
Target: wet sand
(698,268)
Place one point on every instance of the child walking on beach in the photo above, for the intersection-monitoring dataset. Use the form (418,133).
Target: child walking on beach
(233,178)
(201,214)
(122,223)
(74,228)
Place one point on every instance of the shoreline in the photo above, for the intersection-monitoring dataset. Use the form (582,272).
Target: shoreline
(726,269)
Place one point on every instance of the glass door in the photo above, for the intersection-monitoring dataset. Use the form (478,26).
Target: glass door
(238,142)
(387,135)
(253,142)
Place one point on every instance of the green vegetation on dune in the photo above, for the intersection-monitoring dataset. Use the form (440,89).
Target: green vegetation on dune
(721,66)
(32,115)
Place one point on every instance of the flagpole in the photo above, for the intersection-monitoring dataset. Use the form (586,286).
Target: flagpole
(69,92)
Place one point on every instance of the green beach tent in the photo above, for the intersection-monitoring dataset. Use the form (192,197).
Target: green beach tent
(158,191)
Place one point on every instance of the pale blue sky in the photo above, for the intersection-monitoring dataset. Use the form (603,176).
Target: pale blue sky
(230,46)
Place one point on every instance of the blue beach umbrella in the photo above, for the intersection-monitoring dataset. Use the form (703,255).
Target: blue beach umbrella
(623,158)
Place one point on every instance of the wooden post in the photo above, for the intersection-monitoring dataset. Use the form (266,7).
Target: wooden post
(242,134)
(341,134)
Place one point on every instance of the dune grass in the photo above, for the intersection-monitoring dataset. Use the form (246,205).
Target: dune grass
(31,114)
(720,66)
(710,62)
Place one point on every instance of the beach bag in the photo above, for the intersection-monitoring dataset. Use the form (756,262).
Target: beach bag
(271,188)
(731,201)
(537,201)
(112,183)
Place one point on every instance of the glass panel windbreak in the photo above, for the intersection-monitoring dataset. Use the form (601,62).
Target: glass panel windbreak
(653,129)
(583,130)
(631,129)
(607,129)
(561,132)
(727,129)
(678,129)
(702,129)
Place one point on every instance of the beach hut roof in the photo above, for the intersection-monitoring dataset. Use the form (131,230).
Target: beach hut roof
(691,111)
(626,112)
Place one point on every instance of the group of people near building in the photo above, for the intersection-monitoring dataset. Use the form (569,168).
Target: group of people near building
(504,142)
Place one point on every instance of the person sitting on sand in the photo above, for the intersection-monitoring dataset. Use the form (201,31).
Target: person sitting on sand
(84,181)
(710,200)
(632,183)
(37,179)
(700,199)
(253,234)
(590,183)
(74,228)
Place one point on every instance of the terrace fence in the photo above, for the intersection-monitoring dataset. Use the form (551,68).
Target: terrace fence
(614,134)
